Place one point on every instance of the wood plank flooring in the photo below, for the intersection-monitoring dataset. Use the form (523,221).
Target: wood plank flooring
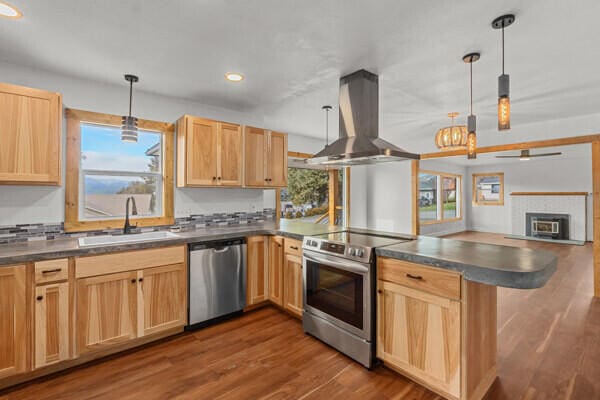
(548,348)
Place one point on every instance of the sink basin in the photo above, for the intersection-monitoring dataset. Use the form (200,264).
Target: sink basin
(119,239)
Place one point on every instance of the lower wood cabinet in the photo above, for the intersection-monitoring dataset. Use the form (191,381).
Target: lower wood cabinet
(292,277)
(106,310)
(436,328)
(163,298)
(257,280)
(51,318)
(276,270)
(419,333)
(14,349)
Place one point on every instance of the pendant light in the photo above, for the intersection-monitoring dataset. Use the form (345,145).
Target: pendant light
(503,80)
(327,109)
(472,119)
(453,137)
(129,129)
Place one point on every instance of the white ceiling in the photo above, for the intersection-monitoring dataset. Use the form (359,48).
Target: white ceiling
(578,151)
(292,54)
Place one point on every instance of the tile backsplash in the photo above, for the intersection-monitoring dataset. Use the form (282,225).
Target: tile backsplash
(33,232)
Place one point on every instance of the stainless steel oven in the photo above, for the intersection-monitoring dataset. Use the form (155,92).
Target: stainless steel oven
(339,291)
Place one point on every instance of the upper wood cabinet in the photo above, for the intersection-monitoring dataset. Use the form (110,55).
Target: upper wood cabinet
(266,158)
(30,136)
(13,321)
(209,153)
(258,272)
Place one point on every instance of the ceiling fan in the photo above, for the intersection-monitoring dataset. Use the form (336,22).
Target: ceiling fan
(526,155)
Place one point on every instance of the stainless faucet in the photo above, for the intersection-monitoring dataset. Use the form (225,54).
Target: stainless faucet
(128,227)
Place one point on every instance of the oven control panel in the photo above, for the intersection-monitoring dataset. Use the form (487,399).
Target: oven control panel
(333,247)
(346,250)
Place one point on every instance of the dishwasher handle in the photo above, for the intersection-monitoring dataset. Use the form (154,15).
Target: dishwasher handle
(219,246)
(220,249)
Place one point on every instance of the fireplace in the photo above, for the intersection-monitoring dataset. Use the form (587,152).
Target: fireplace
(548,226)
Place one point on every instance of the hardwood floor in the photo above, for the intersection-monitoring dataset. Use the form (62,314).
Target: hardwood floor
(548,348)
(548,338)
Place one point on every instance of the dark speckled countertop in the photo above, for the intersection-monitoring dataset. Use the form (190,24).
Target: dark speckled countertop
(507,266)
(485,263)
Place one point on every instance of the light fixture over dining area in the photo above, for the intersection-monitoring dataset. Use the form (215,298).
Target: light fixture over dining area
(453,137)
(503,80)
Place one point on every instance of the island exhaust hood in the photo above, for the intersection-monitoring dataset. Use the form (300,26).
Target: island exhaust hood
(359,141)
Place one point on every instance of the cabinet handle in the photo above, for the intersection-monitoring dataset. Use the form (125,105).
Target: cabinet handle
(417,277)
(294,247)
(214,177)
(219,178)
(51,271)
(133,280)
(379,291)
(39,298)
(141,280)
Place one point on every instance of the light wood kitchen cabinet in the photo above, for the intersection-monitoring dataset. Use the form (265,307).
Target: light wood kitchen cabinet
(292,277)
(266,158)
(51,319)
(419,334)
(163,302)
(209,153)
(436,328)
(14,349)
(127,295)
(30,143)
(257,280)
(276,260)
(106,310)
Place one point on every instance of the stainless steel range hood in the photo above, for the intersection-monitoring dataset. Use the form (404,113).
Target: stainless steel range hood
(359,141)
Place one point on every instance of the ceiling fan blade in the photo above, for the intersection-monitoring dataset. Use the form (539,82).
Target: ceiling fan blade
(545,154)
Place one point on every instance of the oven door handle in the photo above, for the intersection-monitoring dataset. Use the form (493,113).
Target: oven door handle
(341,264)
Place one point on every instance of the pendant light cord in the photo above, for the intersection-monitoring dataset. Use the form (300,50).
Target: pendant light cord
(326,127)
(502,48)
(130,96)
(471,86)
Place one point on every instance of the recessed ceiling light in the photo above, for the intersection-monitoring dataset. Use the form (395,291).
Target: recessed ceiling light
(9,11)
(234,77)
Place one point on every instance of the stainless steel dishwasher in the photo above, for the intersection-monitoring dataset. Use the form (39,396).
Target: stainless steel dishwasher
(217,281)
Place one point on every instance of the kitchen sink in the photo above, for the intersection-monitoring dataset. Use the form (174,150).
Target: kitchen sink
(130,238)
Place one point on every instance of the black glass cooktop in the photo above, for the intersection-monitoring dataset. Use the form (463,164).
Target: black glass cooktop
(362,238)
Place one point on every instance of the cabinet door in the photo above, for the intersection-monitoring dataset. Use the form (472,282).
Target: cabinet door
(230,155)
(51,323)
(255,157)
(30,139)
(106,310)
(276,270)
(419,334)
(258,275)
(201,142)
(163,298)
(277,161)
(292,277)
(13,335)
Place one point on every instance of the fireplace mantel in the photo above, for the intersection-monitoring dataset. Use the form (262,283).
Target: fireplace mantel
(549,193)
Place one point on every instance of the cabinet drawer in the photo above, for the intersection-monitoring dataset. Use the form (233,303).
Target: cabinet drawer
(128,261)
(51,271)
(429,279)
(293,246)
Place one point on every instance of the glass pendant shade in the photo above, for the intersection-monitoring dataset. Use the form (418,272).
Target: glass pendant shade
(472,138)
(453,137)
(503,102)
(129,129)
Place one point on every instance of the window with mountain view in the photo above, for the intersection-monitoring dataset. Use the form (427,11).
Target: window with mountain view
(112,170)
